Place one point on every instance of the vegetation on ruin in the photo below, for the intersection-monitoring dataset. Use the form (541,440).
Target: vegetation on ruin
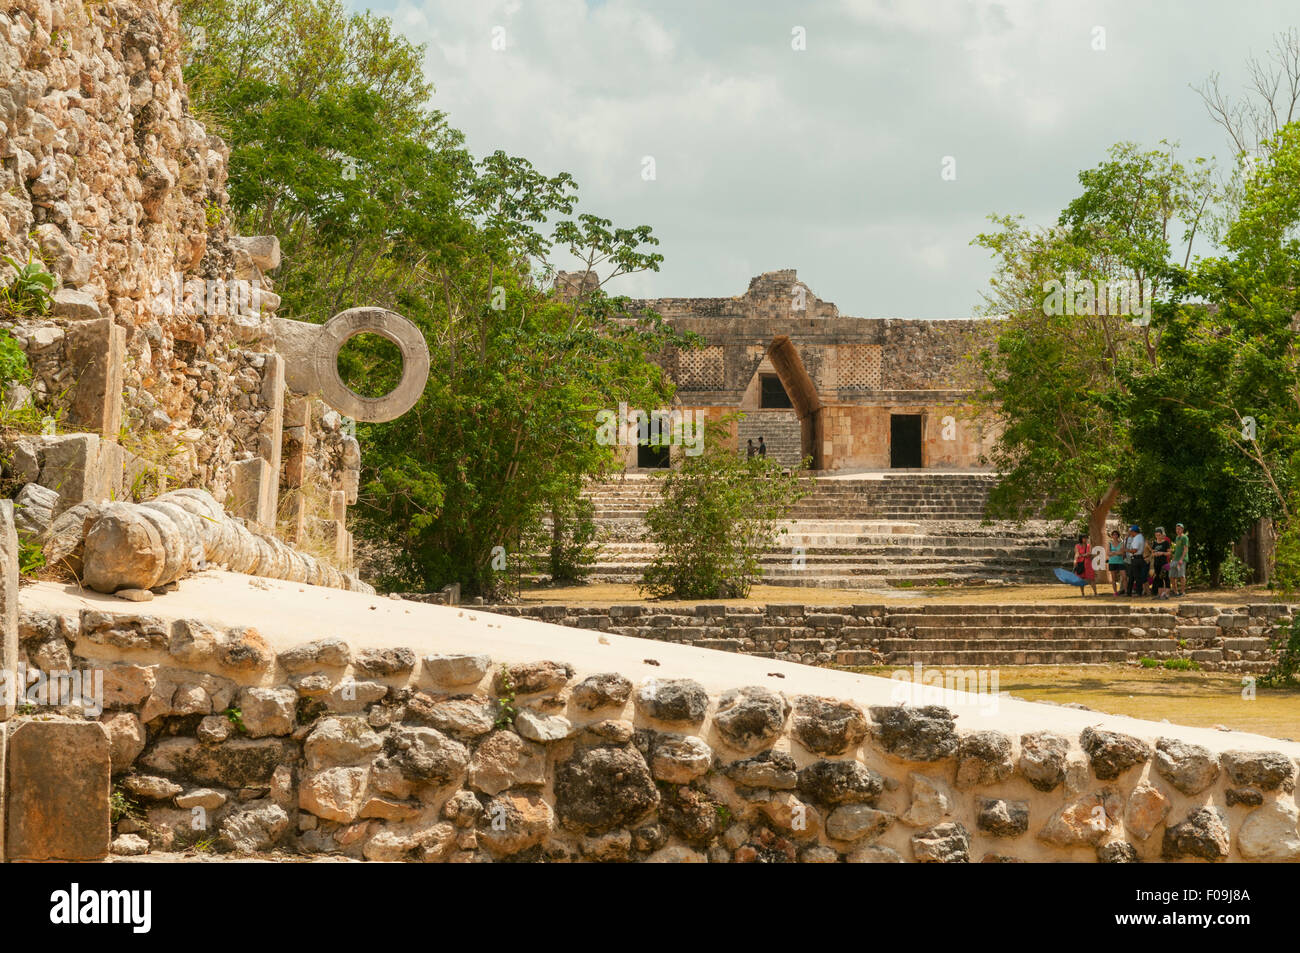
(30,291)
(1193,417)
(31,557)
(506,709)
(1285,670)
(13,362)
(716,516)
(336,148)
(21,415)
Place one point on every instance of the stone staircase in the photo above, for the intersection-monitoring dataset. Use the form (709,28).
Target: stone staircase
(780,430)
(1078,634)
(909,495)
(853,533)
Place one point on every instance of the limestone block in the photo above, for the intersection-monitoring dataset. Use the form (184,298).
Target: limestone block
(254,491)
(69,467)
(34,508)
(270,436)
(296,439)
(58,783)
(74,305)
(96,352)
(262,250)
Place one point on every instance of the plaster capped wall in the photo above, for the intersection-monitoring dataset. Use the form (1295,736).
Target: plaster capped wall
(395,731)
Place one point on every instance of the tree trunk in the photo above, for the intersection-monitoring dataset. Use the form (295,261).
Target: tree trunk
(1097,525)
(1100,513)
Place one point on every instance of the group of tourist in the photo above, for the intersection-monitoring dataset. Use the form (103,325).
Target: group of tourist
(760,450)
(1138,566)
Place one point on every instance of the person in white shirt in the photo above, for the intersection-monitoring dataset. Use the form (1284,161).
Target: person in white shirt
(1135,548)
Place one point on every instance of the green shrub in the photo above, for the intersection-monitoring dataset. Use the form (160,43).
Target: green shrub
(13,361)
(1285,671)
(568,548)
(31,558)
(1286,559)
(1234,573)
(31,290)
(1182,665)
(716,516)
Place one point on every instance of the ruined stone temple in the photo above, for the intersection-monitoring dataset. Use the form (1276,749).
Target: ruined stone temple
(159,362)
(847,393)
(199,670)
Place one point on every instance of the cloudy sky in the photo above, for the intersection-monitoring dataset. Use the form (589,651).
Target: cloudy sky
(829,159)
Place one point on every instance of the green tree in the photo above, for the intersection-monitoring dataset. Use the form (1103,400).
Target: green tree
(1242,346)
(1182,469)
(1057,379)
(716,516)
(335,148)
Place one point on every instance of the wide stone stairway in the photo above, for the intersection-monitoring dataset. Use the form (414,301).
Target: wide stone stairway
(1076,634)
(857,533)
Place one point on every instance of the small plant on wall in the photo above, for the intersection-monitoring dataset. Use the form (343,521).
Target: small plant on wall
(31,290)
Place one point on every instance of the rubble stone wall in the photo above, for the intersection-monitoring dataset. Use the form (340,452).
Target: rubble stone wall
(216,741)
(160,333)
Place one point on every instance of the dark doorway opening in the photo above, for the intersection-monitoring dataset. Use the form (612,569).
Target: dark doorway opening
(905,440)
(773,395)
(652,457)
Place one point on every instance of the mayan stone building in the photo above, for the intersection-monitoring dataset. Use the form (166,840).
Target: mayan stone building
(847,393)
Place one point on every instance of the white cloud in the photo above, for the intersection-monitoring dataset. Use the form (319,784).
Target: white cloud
(827,159)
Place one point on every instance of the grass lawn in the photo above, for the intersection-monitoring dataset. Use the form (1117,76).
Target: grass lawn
(1201,699)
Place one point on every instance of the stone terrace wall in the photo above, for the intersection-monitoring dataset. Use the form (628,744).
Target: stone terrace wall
(109,179)
(212,738)
(855,634)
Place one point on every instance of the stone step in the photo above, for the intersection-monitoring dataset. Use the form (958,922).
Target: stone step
(1035,632)
(1081,641)
(1090,607)
(1033,616)
(846,559)
(993,659)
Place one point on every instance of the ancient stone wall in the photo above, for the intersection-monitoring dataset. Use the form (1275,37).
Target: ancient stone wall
(214,739)
(160,334)
(845,375)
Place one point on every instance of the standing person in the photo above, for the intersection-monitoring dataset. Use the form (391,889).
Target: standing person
(1135,549)
(1083,563)
(1178,561)
(1160,550)
(762,447)
(1115,562)
(749,449)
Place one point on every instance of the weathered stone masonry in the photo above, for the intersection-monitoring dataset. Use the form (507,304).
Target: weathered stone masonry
(846,377)
(1217,638)
(161,336)
(387,754)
